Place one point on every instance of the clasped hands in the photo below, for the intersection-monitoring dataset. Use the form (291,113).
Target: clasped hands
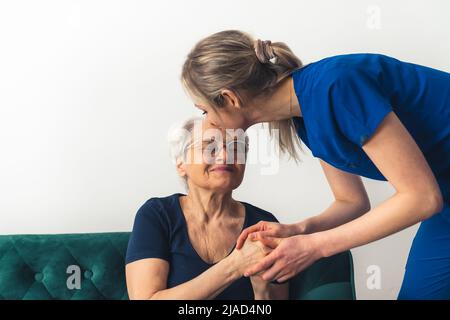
(270,251)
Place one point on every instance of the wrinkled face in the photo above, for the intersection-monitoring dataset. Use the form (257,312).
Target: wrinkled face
(215,159)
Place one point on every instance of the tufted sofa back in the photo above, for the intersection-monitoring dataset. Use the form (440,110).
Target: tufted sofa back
(91,266)
(39,266)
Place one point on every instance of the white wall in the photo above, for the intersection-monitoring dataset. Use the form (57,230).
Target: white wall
(89,88)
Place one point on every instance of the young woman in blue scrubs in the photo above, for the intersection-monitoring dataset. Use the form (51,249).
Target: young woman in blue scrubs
(360,114)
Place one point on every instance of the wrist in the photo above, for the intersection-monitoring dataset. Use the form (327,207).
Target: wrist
(258,284)
(325,247)
(262,294)
(302,227)
(260,288)
(231,264)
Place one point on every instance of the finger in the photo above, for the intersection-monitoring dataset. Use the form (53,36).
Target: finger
(243,236)
(241,239)
(270,242)
(289,274)
(282,274)
(255,236)
(285,278)
(273,272)
(259,274)
(248,231)
(269,233)
(264,264)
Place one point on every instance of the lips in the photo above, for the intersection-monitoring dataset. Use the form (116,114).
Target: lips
(222,168)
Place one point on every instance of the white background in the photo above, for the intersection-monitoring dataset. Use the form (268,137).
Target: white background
(88,90)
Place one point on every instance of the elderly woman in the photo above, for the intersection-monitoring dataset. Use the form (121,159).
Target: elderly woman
(183,246)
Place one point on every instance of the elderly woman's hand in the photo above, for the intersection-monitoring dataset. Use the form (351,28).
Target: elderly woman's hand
(250,254)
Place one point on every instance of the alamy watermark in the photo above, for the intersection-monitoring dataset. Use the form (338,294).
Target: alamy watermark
(373,281)
(74,279)
(373,21)
(226,146)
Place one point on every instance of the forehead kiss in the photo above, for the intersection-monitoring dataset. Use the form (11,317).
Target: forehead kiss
(206,131)
(211,144)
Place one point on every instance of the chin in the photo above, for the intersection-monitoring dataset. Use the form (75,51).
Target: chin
(225,186)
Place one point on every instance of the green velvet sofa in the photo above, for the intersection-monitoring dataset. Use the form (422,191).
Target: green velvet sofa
(48,267)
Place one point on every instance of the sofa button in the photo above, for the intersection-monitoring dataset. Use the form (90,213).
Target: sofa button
(38,277)
(88,274)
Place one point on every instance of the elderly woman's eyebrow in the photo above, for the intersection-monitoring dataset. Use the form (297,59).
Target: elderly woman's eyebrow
(213,138)
(209,139)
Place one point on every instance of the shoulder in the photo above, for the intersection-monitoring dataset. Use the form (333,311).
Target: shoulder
(161,208)
(152,230)
(256,214)
(353,60)
(347,68)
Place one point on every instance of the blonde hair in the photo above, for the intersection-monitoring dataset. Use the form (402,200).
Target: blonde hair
(233,60)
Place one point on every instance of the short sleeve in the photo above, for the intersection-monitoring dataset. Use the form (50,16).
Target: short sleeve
(358,104)
(150,235)
(255,215)
(269,217)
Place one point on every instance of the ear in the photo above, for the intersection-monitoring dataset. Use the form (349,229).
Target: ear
(231,99)
(181,168)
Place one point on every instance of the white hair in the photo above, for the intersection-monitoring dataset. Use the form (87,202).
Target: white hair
(180,136)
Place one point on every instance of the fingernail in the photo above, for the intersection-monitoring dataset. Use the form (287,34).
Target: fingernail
(245,274)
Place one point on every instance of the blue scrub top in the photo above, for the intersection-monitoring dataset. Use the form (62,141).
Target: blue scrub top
(160,231)
(344,98)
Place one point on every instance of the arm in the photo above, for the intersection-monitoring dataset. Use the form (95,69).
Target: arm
(147,278)
(417,197)
(264,290)
(351,201)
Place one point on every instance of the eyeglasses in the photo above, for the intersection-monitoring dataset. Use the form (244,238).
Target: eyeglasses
(236,150)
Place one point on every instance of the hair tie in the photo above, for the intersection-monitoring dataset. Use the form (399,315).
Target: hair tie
(264,51)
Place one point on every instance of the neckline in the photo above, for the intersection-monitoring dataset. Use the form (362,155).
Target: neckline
(296,84)
(300,121)
(186,233)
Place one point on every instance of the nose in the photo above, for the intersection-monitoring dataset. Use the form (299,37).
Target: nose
(212,123)
(221,156)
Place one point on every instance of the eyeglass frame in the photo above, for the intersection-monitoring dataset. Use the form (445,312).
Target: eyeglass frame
(222,145)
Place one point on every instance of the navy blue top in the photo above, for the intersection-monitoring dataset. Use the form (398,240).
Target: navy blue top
(344,98)
(160,231)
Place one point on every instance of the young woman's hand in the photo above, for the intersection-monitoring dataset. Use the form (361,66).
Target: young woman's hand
(291,255)
(265,229)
